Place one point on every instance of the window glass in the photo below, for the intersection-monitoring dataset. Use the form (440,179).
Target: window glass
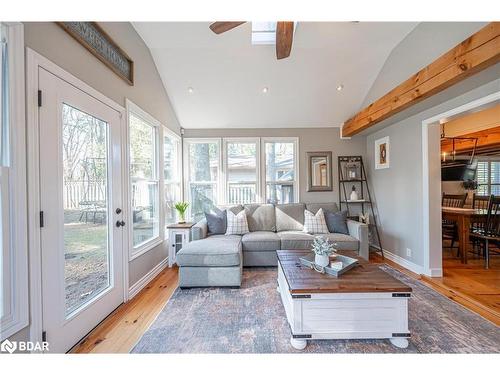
(203,162)
(280,172)
(172,177)
(144,180)
(241,171)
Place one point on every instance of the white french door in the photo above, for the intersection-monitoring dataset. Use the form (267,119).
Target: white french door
(81,203)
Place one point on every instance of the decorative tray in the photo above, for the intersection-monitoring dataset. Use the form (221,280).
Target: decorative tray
(347,264)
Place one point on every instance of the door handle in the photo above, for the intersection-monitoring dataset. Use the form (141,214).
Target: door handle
(120,223)
(118,211)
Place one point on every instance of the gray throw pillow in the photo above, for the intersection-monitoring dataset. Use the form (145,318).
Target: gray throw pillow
(337,222)
(216,222)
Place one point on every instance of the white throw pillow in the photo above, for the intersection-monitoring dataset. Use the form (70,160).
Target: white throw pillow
(236,224)
(314,224)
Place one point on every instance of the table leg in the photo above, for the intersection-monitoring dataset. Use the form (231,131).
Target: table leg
(463,224)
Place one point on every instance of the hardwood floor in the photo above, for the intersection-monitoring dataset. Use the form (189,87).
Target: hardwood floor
(470,285)
(120,331)
(477,288)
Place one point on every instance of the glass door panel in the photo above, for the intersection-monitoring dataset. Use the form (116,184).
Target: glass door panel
(178,242)
(85,196)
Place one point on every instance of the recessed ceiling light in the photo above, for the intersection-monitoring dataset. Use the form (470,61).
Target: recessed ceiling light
(190,90)
(340,87)
(265,90)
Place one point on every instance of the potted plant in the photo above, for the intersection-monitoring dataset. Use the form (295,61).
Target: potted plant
(322,249)
(470,185)
(181,208)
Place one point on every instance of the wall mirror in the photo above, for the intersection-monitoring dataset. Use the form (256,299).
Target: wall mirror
(319,171)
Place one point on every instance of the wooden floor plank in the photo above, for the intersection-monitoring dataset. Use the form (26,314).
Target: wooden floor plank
(119,332)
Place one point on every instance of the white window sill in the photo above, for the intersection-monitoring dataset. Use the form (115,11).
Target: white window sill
(145,247)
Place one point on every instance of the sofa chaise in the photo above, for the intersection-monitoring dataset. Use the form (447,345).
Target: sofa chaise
(217,260)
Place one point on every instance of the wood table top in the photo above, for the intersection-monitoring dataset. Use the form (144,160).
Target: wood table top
(464,211)
(180,226)
(365,278)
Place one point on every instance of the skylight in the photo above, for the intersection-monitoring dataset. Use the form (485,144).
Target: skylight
(263,32)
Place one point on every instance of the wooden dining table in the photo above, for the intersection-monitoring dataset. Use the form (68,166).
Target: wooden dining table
(463,218)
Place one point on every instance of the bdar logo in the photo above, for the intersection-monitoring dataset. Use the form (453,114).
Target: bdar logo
(8,346)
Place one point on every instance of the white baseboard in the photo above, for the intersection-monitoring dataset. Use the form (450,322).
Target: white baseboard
(143,281)
(419,270)
(434,272)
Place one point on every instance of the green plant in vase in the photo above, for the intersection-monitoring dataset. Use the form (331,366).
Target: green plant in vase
(181,208)
(322,249)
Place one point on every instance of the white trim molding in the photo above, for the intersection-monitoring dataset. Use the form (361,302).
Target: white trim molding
(17,249)
(403,262)
(147,278)
(431,192)
(141,249)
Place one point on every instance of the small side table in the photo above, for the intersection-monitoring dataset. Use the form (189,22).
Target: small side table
(178,236)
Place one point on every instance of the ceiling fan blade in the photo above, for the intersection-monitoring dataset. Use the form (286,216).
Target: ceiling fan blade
(222,27)
(284,39)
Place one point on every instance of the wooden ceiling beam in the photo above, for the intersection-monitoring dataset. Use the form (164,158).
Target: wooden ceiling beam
(478,52)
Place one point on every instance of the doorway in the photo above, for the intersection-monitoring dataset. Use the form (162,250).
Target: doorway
(81,237)
(445,264)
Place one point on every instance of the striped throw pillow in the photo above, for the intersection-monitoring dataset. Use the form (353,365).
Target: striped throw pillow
(314,224)
(236,224)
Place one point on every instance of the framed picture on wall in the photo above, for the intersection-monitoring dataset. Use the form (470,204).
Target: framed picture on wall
(382,153)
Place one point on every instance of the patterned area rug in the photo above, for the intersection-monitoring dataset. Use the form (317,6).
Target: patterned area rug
(252,320)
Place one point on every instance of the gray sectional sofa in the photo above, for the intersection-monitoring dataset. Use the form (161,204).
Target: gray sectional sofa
(217,260)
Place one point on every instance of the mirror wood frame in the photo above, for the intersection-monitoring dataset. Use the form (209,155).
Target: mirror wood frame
(329,180)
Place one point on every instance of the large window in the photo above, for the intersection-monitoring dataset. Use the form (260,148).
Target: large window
(171,174)
(241,166)
(202,163)
(281,170)
(488,177)
(144,178)
(250,170)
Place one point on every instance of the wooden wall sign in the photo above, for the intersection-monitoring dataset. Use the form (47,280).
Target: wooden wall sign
(100,44)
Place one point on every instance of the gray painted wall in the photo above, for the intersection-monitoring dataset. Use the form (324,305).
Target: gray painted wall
(148,92)
(424,44)
(398,189)
(310,139)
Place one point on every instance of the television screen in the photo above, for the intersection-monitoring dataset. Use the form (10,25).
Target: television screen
(458,171)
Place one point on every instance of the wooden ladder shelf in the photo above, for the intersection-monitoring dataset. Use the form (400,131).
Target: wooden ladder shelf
(351,171)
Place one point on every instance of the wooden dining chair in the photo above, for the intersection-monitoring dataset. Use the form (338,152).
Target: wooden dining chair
(490,233)
(479,202)
(454,200)
(449,228)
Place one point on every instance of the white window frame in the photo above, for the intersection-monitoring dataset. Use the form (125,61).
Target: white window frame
(220,178)
(489,184)
(135,252)
(16,254)
(258,184)
(169,133)
(296,186)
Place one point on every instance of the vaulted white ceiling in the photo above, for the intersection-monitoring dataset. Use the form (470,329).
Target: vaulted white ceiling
(227,73)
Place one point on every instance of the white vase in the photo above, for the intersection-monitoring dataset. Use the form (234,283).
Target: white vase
(321,260)
(354,195)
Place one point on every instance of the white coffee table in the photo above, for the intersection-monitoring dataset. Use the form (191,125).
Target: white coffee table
(364,303)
